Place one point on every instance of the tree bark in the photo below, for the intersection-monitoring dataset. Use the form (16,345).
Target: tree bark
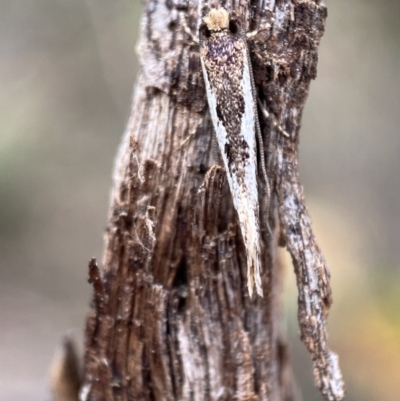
(171,318)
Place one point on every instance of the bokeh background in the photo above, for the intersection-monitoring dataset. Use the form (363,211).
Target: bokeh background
(67,68)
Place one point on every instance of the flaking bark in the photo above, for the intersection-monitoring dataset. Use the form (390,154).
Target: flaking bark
(171,318)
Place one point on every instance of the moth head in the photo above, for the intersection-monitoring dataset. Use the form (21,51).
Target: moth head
(217,19)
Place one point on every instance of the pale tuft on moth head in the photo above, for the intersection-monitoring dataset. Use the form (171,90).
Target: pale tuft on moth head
(217,19)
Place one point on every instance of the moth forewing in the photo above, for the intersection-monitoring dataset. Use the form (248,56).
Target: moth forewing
(228,81)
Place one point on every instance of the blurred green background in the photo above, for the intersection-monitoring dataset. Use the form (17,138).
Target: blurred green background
(66,75)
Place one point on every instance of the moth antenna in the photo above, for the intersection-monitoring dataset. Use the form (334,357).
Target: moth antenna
(260,145)
(264,172)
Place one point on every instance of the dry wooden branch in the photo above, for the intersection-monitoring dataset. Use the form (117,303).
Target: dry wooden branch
(171,317)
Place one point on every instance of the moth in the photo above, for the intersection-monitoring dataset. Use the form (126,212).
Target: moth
(232,102)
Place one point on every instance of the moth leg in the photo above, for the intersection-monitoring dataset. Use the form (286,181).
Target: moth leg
(264,27)
(187,30)
(185,141)
(272,118)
